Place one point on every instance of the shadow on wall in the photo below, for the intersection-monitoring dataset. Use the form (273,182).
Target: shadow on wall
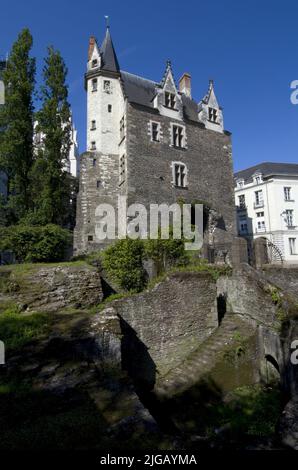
(221,307)
(136,359)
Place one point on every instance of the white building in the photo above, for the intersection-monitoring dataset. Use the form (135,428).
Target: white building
(267,206)
(72,165)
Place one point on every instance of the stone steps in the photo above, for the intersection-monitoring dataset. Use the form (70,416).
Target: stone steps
(202,360)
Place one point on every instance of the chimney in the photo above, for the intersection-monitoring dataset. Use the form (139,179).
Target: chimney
(185,84)
(91,46)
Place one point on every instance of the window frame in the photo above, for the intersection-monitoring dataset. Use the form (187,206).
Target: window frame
(176,183)
(287,193)
(122,128)
(292,245)
(174,137)
(94,83)
(155,123)
(170,100)
(289,217)
(213,111)
(241,203)
(122,169)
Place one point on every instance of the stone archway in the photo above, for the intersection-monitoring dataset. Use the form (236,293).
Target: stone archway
(272,369)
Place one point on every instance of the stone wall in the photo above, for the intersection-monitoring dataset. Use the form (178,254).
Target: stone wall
(164,325)
(51,288)
(285,277)
(99,180)
(249,294)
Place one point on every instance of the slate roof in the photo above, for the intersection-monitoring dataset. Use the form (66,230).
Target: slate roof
(142,91)
(138,90)
(108,54)
(268,169)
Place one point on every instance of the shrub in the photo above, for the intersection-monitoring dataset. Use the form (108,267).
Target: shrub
(167,252)
(123,261)
(35,243)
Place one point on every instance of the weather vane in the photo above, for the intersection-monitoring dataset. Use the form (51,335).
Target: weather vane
(107,21)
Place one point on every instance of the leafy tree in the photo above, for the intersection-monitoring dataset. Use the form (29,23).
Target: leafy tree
(123,261)
(52,191)
(166,252)
(16,124)
(35,244)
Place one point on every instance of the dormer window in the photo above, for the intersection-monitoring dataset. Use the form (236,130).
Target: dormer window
(240,183)
(212,115)
(170,100)
(94,63)
(258,178)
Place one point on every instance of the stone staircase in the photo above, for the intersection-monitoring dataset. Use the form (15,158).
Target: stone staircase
(202,360)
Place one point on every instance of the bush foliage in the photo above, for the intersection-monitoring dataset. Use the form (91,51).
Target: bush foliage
(123,261)
(34,243)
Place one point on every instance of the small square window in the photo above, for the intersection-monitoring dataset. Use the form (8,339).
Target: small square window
(90,238)
(94,84)
(94,63)
(107,86)
(109,108)
(93,145)
(93,125)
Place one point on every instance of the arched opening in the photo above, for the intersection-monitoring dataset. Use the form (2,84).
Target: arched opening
(272,369)
(221,307)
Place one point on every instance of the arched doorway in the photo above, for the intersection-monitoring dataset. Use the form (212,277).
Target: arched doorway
(272,369)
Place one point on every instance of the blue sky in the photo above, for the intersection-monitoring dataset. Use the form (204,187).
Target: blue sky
(249,48)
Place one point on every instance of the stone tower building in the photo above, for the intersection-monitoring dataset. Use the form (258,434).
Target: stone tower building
(153,143)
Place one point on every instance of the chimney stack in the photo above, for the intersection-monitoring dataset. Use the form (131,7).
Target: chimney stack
(185,84)
(91,46)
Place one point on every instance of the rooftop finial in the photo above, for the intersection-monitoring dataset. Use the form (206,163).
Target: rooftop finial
(169,64)
(107,21)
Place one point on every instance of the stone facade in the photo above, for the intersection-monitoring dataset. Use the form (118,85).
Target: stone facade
(133,149)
